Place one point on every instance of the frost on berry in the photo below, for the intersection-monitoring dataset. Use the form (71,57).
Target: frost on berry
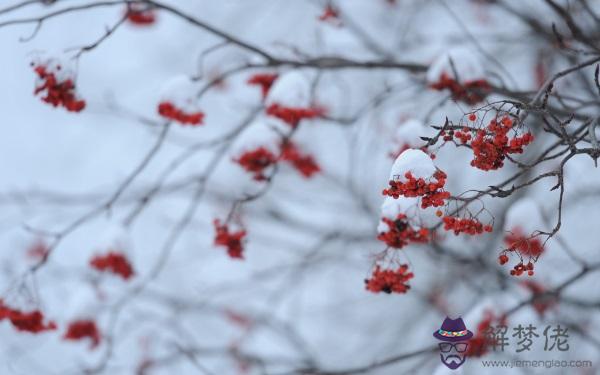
(467,225)
(56,84)
(140,14)
(257,161)
(178,102)
(415,175)
(83,329)
(459,71)
(32,321)
(232,241)
(389,280)
(113,262)
(304,163)
(264,81)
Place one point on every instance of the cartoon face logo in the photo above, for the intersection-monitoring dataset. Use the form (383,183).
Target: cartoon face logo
(455,341)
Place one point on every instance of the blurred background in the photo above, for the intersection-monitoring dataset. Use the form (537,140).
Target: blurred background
(119,177)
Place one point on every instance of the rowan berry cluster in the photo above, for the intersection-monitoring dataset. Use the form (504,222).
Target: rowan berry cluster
(521,268)
(389,280)
(470,226)
(264,81)
(257,161)
(83,329)
(32,321)
(57,90)
(481,341)
(524,245)
(113,262)
(169,110)
(140,14)
(470,92)
(400,233)
(305,164)
(230,240)
(293,115)
(431,192)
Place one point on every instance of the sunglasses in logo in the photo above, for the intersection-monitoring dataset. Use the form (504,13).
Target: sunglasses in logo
(460,347)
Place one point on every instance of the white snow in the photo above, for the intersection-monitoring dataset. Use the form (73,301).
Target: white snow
(466,62)
(418,163)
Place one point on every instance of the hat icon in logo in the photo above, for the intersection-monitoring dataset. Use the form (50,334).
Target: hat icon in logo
(455,337)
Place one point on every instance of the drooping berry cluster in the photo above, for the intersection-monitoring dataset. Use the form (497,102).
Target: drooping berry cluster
(389,280)
(305,164)
(32,321)
(431,192)
(400,233)
(140,14)
(257,161)
(293,115)
(520,268)
(470,92)
(169,110)
(83,329)
(525,245)
(113,262)
(470,226)
(57,91)
(264,81)
(230,240)
(491,145)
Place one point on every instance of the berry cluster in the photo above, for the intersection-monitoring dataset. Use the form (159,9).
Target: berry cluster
(481,341)
(491,145)
(32,322)
(529,246)
(113,262)
(83,329)
(520,269)
(401,233)
(57,92)
(257,161)
(389,281)
(465,225)
(470,92)
(431,193)
(293,115)
(231,240)
(305,164)
(264,81)
(170,111)
(140,15)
